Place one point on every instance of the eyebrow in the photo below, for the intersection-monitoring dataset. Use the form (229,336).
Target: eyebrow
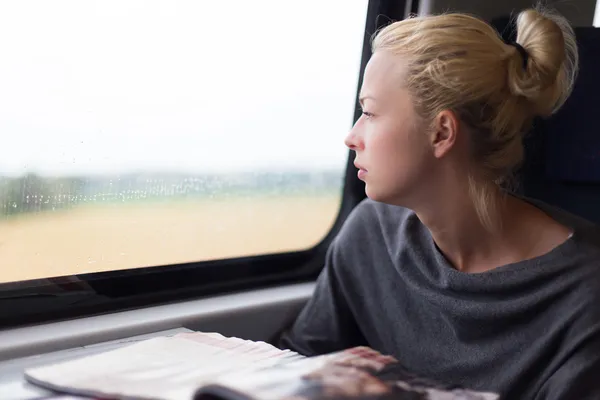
(362,99)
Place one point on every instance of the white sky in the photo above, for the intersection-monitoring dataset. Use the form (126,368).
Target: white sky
(192,85)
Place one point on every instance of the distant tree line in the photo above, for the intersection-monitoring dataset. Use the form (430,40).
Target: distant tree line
(34,193)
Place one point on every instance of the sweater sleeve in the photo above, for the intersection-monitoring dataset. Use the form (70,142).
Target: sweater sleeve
(578,376)
(327,324)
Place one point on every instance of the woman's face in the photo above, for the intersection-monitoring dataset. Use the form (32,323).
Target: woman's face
(392,148)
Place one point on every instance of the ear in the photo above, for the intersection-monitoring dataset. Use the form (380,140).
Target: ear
(444,134)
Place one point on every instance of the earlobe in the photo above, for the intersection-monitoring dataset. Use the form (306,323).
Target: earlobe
(445,133)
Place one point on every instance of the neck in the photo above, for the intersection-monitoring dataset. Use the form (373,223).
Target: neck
(461,235)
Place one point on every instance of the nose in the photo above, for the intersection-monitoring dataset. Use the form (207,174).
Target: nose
(353,140)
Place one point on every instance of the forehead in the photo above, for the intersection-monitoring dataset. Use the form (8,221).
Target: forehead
(383,75)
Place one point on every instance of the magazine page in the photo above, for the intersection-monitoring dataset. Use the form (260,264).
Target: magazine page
(357,373)
(169,368)
(209,366)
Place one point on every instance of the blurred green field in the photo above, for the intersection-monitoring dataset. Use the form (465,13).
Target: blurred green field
(113,237)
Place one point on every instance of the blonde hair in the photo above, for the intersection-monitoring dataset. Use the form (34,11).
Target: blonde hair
(459,62)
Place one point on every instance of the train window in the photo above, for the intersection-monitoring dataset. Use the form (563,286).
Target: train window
(597,15)
(142,133)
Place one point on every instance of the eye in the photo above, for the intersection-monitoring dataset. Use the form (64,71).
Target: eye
(367,114)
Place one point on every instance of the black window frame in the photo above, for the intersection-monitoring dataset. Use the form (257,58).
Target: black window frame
(32,301)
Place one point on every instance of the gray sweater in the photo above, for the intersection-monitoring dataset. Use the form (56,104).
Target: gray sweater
(528,330)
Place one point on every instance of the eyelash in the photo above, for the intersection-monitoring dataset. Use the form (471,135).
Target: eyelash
(367,114)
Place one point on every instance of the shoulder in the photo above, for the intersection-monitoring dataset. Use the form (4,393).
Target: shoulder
(373,231)
(364,250)
(586,230)
(580,256)
(581,284)
(371,219)
(586,249)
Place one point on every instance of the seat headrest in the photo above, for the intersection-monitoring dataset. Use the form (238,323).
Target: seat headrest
(570,139)
(573,134)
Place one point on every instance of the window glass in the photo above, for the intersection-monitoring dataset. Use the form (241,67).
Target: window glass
(146,133)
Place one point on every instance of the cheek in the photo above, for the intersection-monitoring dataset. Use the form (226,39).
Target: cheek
(400,160)
(397,150)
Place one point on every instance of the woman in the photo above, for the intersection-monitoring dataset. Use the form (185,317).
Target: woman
(460,280)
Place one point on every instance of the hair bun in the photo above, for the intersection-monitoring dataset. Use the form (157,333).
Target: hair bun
(547,78)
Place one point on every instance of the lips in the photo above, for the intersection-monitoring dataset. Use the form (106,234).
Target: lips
(358,166)
(362,172)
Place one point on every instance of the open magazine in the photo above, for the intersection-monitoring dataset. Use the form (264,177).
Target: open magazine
(209,366)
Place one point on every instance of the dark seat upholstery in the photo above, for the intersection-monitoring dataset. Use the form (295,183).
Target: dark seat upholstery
(562,153)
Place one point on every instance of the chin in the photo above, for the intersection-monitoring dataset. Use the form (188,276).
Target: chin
(375,195)
(382,196)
